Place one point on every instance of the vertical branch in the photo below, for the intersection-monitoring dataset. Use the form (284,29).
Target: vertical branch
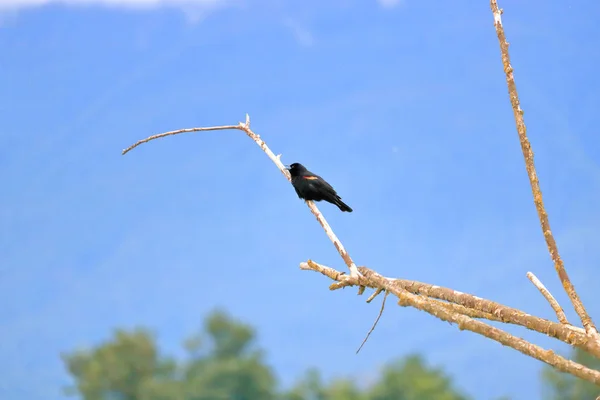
(533,180)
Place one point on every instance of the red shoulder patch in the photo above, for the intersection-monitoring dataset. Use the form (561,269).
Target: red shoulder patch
(310,177)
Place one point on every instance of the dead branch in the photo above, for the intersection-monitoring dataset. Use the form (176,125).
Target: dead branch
(245,127)
(423,303)
(533,180)
(560,314)
(471,312)
(467,304)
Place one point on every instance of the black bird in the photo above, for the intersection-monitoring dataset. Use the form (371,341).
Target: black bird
(309,186)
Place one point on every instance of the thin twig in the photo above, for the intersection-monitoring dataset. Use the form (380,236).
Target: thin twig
(245,127)
(375,323)
(171,133)
(375,294)
(533,180)
(560,314)
(423,303)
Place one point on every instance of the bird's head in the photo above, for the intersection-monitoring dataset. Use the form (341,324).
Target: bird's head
(296,169)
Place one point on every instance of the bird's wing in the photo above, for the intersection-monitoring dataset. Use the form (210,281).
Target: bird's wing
(326,185)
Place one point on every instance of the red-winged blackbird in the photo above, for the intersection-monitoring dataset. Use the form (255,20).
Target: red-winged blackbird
(309,186)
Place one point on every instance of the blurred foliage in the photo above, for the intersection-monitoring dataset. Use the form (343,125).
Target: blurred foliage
(411,379)
(223,363)
(406,379)
(561,386)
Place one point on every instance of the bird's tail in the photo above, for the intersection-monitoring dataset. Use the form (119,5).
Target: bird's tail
(342,206)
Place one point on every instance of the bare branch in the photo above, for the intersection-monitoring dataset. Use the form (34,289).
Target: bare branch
(376,321)
(171,133)
(467,323)
(423,303)
(533,180)
(560,314)
(452,307)
(474,306)
(245,127)
(469,312)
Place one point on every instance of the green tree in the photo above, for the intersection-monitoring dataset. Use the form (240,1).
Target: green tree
(406,379)
(561,386)
(118,369)
(231,369)
(411,379)
(223,365)
(312,387)
(345,389)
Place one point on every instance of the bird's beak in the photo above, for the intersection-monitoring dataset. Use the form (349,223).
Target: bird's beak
(287,166)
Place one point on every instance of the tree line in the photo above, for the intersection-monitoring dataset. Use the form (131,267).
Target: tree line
(225,363)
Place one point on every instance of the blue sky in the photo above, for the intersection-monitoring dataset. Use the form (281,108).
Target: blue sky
(401,105)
